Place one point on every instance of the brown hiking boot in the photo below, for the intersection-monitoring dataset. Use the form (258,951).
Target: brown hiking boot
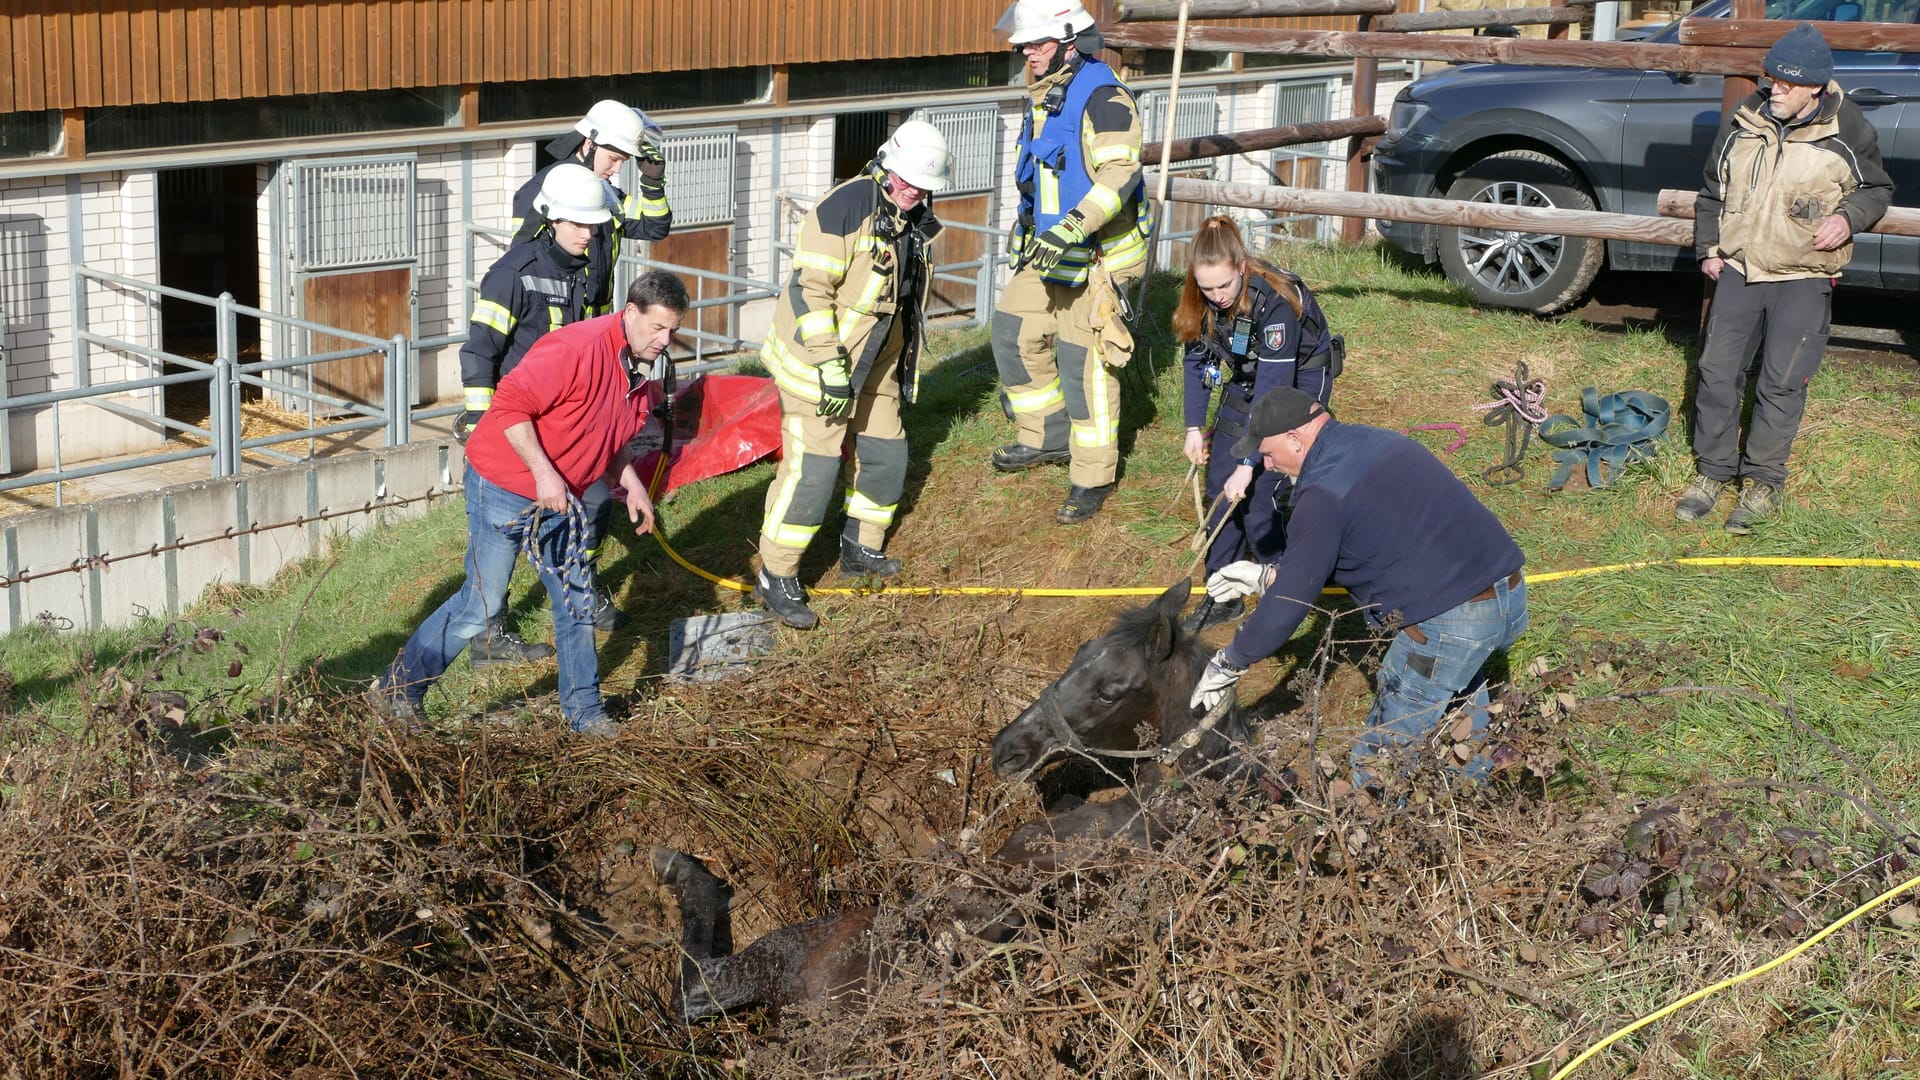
(1757,501)
(1700,498)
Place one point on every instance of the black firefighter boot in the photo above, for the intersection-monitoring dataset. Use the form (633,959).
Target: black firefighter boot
(859,560)
(499,645)
(786,598)
(1082,503)
(1017,457)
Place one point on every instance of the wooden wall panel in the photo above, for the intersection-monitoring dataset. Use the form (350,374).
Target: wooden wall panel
(63,54)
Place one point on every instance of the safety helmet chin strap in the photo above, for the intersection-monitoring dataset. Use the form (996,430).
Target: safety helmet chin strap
(1066,54)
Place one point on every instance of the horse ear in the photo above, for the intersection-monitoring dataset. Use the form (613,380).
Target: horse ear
(1171,602)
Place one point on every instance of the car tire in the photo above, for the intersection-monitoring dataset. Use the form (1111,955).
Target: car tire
(1537,272)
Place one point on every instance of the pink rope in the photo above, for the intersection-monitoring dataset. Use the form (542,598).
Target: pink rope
(1455,428)
(1529,399)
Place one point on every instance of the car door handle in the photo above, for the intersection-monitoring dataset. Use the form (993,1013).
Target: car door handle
(1867,95)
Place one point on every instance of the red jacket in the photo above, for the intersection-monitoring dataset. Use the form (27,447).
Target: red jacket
(573,384)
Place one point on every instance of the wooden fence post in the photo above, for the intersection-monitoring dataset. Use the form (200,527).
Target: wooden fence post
(1366,74)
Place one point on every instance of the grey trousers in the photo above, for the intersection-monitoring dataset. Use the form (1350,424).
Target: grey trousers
(1791,320)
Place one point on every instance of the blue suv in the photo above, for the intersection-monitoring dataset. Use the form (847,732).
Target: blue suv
(1610,139)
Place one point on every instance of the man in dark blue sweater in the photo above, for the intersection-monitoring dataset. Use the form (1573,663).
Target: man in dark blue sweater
(1377,513)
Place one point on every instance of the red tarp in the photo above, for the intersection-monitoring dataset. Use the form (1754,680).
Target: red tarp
(720,423)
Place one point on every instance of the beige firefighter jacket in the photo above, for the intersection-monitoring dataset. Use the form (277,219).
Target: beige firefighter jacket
(860,263)
(1767,186)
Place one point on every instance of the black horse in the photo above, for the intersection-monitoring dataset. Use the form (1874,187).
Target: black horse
(1135,679)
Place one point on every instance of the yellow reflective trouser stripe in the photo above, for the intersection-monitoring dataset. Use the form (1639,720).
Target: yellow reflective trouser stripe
(479,398)
(789,373)
(814,324)
(1105,198)
(1104,154)
(814,261)
(489,314)
(793,446)
(598,309)
(1049,191)
(1102,427)
(861,508)
(1036,400)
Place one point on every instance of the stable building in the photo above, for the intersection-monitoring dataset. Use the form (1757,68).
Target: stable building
(192,196)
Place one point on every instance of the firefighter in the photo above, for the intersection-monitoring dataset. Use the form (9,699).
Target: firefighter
(1080,237)
(601,142)
(843,350)
(538,286)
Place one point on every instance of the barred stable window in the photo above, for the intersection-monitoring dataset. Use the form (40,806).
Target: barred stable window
(700,176)
(874,78)
(144,127)
(550,98)
(973,137)
(1302,102)
(353,211)
(1197,115)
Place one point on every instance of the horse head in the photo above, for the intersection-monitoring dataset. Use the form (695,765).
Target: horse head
(1139,674)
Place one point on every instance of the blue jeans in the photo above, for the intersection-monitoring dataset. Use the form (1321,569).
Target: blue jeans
(1419,684)
(493,546)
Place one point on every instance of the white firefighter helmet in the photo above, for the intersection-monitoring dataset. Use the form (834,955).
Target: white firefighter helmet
(918,154)
(572,193)
(1043,20)
(618,127)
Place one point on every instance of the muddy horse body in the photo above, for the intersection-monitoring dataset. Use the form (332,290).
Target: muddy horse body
(1136,677)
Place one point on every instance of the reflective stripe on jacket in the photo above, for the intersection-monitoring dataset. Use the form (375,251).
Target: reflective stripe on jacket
(532,290)
(1085,157)
(844,291)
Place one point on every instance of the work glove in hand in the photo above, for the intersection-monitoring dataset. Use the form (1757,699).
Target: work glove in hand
(463,427)
(1235,580)
(1050,246)
(652,165)
(836,387)
(1216,682)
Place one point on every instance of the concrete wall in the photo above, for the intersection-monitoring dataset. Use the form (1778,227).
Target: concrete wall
(112,562)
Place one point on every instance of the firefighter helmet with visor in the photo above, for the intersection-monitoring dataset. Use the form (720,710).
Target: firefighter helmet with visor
(918,154)
(617,127)
(572,193)
(1028,21)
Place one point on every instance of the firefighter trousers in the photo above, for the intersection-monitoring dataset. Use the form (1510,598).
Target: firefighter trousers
(810,447)
(1059,392)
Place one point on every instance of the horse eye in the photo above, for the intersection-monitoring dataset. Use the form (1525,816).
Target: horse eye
(1106,697)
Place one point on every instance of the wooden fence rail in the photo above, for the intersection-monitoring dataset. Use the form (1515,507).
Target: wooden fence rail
(1456,48)
(1244,142)
(1169,10)
(1652,230)
(1898,220)
(1762,33)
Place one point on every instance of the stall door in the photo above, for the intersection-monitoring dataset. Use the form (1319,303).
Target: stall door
(355,254)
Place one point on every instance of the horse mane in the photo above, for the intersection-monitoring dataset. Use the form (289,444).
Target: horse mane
(1135,627)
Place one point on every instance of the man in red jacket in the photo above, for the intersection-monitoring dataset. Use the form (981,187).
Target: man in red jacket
(560,421)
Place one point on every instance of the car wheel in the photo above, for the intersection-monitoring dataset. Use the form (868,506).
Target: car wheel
(1539,272)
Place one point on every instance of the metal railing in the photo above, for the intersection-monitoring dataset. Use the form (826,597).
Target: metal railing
(225,378)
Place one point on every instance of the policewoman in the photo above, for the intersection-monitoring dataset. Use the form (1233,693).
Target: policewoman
(1248,327)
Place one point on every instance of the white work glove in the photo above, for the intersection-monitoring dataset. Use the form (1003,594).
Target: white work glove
(1216,682)
(1235,580)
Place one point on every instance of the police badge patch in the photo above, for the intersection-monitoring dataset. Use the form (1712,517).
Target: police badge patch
(1275,337)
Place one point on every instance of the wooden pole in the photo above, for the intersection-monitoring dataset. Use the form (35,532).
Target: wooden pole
(1762,33)
(1168,10)
(1173,104)
(1650,230)
(1467,20)
(1898,220)
(1246,142)
(1557,31)
(1366,77)
(1455,48)
(1735,90)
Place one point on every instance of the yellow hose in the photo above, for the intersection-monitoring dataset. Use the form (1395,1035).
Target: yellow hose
(1567,1070)
(1155,590)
